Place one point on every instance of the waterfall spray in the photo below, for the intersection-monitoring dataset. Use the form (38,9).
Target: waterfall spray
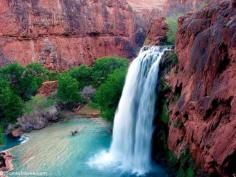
(133,123)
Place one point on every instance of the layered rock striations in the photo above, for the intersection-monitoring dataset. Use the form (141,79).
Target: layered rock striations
(203,119)
(64,33)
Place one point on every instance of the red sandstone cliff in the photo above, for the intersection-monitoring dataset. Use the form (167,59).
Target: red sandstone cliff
(206,82)
(64,33)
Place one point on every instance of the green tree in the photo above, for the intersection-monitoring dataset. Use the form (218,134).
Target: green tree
(32,78)
(11,105)
(13,74)
(109,93)
(172,22)
(68,91)
(24,81)
(105,66)
(83,74)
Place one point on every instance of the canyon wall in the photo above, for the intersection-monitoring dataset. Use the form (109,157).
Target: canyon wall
(65,33)
(203,119)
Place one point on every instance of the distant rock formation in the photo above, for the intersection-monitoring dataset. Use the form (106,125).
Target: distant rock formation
(167,7)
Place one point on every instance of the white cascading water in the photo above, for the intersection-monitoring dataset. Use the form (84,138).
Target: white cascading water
(133,123)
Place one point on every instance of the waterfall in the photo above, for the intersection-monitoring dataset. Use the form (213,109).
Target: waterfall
(133,123)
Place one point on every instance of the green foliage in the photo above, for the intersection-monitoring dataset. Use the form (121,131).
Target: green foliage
(11,105)
(190,172)
(38,103)
(68,91)
(172,22)
(109,93)
(13,73)
(94,105)
(172,56)
(186,165)
(1,136)
(170,59)
(164,86)
(164,115)
(31,80)
(52,75)
(103,67)
(178,124)
(24,81)
(182,166)
(83,74)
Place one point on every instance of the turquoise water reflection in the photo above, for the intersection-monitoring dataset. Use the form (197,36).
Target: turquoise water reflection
(54,152)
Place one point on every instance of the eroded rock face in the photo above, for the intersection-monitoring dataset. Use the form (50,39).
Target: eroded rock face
(157,32)
(204,117)
(61,34)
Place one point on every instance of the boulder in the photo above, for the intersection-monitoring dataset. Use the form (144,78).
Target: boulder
(47,88)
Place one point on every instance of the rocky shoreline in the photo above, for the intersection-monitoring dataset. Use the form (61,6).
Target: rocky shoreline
(6,164)
(6,157)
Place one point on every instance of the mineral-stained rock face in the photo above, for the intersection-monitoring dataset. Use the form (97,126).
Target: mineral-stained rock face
(204,117)
(64,33)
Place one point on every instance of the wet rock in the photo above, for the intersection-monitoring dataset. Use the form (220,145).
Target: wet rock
(5,162)
(14,131)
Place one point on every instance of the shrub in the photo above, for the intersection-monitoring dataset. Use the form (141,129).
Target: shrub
(83,75)
(38,103)
(10,104)
(164,115)
(68,91)
(103,67)
(109,93)
(172,22)
(87,93)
